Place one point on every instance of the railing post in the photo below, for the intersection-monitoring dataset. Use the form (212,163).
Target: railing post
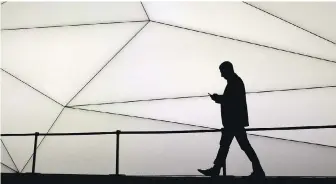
(117,152)
(34,153)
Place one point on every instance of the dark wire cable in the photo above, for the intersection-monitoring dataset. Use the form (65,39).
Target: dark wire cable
(243,41)
(145,10)
(289,22)
(201,96)
(31,86)
(43,137)
(73,25)
(9,168)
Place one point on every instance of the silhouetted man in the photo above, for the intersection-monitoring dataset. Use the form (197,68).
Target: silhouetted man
(234,119)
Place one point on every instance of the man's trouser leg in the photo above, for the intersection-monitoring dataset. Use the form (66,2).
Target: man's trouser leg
(245,145)
(225,142)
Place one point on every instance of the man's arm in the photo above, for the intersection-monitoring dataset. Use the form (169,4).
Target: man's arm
(217,98)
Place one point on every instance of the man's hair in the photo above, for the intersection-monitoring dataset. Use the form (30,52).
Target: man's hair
(227,66)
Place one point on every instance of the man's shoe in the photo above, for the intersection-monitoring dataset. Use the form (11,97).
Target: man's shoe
(258,174)
(210,172)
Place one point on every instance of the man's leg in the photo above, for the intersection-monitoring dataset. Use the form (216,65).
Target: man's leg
(220,161)
(245,145)
(225,142)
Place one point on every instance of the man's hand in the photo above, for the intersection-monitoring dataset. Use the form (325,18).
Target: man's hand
(214,96)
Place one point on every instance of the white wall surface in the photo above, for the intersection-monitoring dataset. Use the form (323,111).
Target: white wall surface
(161,62)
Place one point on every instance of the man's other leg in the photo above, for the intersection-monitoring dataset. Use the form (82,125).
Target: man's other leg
(220,161)
(245,145)
(225,142)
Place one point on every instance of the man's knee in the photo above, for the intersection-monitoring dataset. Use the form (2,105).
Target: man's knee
(225,143)
(244,144)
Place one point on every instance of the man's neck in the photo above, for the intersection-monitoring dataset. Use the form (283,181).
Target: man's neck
(231,78)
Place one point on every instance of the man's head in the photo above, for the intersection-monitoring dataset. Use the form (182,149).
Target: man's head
(226,69)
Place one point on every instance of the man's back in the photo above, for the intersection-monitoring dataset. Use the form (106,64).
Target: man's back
(233,106)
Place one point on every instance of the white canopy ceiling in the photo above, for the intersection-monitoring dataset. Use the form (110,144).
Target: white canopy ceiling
(90,55)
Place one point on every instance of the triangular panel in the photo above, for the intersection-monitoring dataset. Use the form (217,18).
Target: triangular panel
(23,110)
(168,62)
(42,14)
(240,21)
(60,61)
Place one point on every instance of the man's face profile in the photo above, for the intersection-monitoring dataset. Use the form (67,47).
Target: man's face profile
(223,73)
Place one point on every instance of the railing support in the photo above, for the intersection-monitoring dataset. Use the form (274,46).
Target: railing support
(117,152)
(34,153)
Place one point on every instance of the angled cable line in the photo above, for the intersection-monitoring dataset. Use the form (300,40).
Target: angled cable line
(108,62)
(31,87)
(145,10)
(289,22)
(3,2)
(291,140)
(293,89)
(243,41)
(134,101)
(139,117)
(10,156)
(214,129)
(43,138)
(201,96)
(73,25)
(9,168)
